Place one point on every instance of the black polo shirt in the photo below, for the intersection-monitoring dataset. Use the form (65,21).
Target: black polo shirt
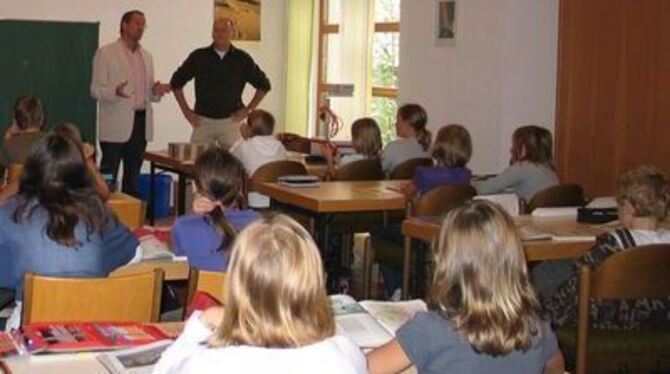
(219,82)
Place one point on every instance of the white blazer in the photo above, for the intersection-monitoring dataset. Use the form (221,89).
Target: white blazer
(115,114)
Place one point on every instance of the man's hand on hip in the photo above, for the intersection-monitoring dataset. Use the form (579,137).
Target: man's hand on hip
(192,117)
(240,114)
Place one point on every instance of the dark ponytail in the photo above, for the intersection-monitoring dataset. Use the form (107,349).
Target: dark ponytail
(416,116)
(221,177)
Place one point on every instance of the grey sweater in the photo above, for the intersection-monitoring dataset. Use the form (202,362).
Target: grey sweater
(524,178)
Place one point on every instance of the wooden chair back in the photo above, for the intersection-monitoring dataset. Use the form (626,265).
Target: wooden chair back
(295,143)
(273,170)
(14,172)
(439,200)
(211,282)
(360,170)
(406,169)
(131,298)
(637,273)
(557,196)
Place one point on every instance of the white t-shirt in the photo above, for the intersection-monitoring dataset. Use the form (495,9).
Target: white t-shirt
(188,354)
(254,153)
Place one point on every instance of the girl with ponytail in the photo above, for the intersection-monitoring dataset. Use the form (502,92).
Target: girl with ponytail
(219,208)
(414,139)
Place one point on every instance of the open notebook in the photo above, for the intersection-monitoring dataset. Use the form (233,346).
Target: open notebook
(369,323)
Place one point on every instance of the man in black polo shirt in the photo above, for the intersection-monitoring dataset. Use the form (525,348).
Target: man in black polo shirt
(221,71)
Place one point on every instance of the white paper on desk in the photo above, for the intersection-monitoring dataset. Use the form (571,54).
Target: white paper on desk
(509,201)
(555,212)
(154,249)
(603,202)
(532,233)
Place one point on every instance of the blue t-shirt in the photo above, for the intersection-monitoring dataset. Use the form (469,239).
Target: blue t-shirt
(434,346)
(26,248)
(195,237)
(429,177)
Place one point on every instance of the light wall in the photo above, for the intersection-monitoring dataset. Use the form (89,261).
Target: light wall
(501,72)
(175,28)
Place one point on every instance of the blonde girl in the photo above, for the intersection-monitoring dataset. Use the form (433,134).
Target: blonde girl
(366,140)
(483,314)
(277,316)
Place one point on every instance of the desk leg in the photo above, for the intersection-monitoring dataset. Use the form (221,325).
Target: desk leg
(405,267)
(181,199)
(150,203)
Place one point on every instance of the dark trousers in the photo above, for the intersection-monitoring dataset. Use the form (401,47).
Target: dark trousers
(132,154)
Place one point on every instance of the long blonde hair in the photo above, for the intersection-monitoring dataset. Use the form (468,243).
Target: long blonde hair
(366,137)
(481,281)
(276,295)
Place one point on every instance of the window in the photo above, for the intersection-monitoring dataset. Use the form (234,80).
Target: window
(359,44)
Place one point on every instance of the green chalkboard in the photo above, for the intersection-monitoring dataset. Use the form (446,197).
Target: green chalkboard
(52,60)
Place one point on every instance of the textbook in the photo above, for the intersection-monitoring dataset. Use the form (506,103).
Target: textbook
(78,337)
(299,180)
(371,324)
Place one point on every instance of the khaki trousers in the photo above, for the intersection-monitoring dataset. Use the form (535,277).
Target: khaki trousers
(222,132)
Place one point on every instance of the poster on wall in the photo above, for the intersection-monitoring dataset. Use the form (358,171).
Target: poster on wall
(445,30)
(245,13)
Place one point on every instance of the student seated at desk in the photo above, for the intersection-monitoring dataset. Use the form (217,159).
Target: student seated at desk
(57,225)
(410,126)
(25,130)
(643,196)
(220,213)
(366,140)
(451,151)
(258,147)
(531,167)
(277,316)
(483,314)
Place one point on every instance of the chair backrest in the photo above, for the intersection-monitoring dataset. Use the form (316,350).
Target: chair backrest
(634,274)
(406,169)
(440,199)
(14,173)
(273,170)
(295,143)
(360,170)
(557,196)
(131,298)
(211,282)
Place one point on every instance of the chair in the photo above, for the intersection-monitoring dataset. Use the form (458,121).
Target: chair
(273,170)
(211,282)
(435,202)
(295,143)
(406,169)
(132,298)
(361,170)
(557,196)
(637,273)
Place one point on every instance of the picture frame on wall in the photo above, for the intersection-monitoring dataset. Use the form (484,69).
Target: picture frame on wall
(446,22)
(246,14)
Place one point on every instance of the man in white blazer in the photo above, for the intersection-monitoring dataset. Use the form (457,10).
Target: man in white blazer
(123,84)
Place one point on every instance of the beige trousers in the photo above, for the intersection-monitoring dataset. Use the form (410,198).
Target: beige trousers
(222,132)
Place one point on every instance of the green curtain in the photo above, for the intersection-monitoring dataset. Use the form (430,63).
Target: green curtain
(299,65)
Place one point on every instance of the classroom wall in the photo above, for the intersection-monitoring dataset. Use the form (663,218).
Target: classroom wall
(170,36)
(500,73)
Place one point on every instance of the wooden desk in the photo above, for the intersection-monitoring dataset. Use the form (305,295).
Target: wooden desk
(183,168)
(338,197)
(328,198)
(174,270)
(426,228)
(127,208)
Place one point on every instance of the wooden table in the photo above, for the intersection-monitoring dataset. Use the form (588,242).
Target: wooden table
(328,198)
(163,161)
(426,228)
